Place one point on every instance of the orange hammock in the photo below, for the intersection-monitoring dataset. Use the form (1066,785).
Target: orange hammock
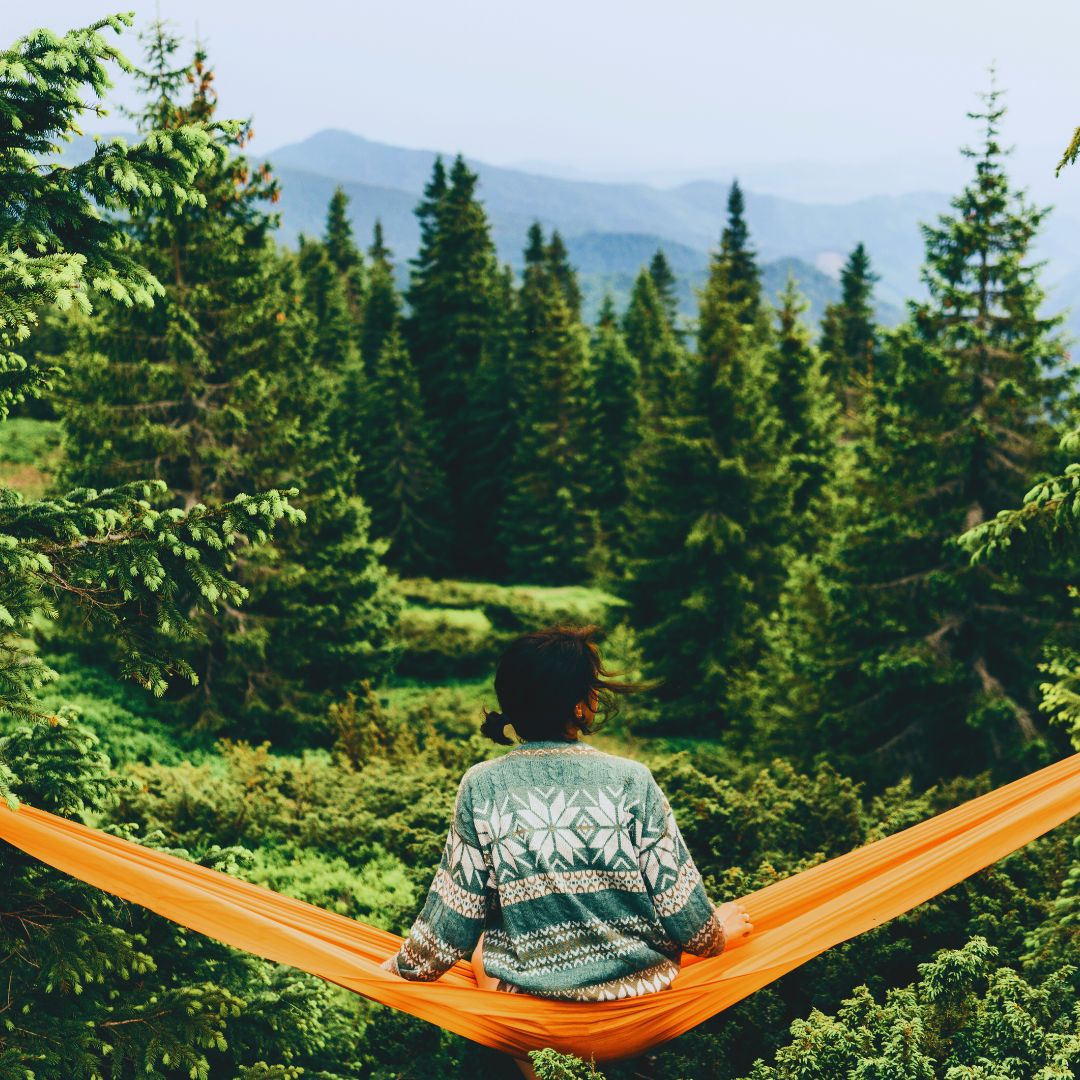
(795,920)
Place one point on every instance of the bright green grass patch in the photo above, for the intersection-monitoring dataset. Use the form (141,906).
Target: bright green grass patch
(29,455)
(120,714)
(29,442)
(455,630)
(579,602)
(465,620)
(521,606)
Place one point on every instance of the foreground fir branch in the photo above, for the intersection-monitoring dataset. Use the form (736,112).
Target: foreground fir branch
(93,988)
(121,559)
(59,244)
(124,562)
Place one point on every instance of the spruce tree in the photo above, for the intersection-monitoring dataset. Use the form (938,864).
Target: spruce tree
(216,389)
(344,254)
(904,655)
(326,299)
(382,310)
(742,277)
(491,434)
(807,413)
(382,316)
(614,431)
(400,477)
(665,281)
(651,338)
(61,244)
(561,269)
(100,988)
(848,326)
(547,524)
(709,513)
(451,322)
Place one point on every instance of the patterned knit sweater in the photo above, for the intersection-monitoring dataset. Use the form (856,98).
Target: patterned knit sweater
(570,862)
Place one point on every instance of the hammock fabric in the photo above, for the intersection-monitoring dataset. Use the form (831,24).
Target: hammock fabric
(794,919)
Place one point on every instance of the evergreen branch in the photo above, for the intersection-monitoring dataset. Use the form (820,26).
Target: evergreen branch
(1072,151)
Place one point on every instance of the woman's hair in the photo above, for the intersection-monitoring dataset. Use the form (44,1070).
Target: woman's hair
(541,677)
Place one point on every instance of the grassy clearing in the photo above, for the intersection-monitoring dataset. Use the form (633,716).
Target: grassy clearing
(29,455)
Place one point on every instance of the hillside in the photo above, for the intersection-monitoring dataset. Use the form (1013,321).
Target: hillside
(385,181)
(612,228)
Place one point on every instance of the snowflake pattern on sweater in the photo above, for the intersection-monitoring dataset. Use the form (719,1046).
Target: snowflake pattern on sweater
(570,862)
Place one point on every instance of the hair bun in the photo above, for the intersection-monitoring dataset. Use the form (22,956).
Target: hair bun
(492,727)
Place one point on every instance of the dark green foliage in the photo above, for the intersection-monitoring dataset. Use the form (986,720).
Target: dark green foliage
(559,263)
(115,553)
(547,523)
(101,989)
(796,586)
(742,276)
(56,247)
(906,655)
(651,338)
(808,418)
(490,436)
(709,513)
(965,1018)
(452,323)
(227,384)
(614,431)
(663,277)
(382,308)
(343,253)
(847,328)
(140,573)
(1043,527)
(335,330)
(400,477)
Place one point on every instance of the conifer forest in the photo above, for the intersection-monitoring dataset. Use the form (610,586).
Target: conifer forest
(271,510)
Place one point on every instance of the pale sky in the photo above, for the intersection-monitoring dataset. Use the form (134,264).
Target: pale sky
(873,94)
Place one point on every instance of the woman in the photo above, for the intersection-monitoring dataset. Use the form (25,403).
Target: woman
(564,872)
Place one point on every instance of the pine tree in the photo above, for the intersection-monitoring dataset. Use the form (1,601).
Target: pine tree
(709,514)
(848,326)
(547,525)
(614,430)
(382,317)
(559,261)
(490,436)
(382,311)
(344,254)
(911,657)
(743,278)
(666,283)
(651,338)
(57,247)
(325,298)
(451,322)
(99,987)
(213,390)
(808,414)
(400,478)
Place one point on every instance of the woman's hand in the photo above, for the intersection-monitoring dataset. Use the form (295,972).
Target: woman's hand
(736,923)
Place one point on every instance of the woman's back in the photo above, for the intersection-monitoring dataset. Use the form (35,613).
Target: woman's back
(570,863)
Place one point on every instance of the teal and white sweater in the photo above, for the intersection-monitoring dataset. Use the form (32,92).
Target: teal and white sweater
(570,862)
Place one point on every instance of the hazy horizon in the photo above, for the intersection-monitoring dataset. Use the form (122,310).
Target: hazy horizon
(827,104)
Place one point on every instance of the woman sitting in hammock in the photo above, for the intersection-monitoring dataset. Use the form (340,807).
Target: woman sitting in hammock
(564,873)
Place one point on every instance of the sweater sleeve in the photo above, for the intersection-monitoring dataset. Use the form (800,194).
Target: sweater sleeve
(673,881)
(452,919)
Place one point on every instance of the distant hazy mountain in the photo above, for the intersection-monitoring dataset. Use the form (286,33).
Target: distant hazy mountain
(691,215)
(611,229)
